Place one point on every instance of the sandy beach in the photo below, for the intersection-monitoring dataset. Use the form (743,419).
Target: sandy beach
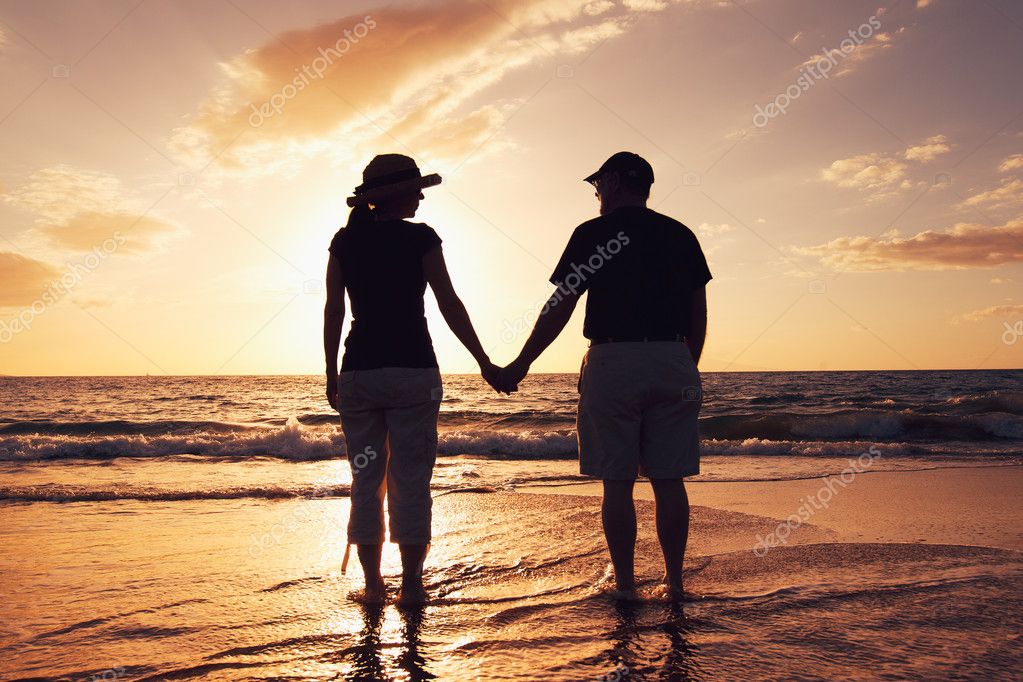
(251,589)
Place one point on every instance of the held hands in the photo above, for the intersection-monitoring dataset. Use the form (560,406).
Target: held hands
(510,376)
(491,373)
(504,380)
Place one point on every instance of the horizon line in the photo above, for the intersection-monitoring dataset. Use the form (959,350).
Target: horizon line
(731,371)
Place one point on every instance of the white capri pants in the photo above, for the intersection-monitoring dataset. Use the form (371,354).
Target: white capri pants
(389,417)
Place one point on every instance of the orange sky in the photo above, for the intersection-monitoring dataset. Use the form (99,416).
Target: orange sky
(174,171)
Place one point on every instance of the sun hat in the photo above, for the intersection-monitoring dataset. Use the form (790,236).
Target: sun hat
(389,175)
(627,163)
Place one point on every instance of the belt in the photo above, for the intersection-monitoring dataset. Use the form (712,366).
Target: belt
(636,339)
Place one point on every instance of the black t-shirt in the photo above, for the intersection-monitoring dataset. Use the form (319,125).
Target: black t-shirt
(383,270)
(640,268)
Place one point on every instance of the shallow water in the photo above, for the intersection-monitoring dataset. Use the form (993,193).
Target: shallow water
(934,415)
(191,528)
(251,590)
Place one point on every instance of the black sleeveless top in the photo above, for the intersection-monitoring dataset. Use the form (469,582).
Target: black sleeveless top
(383,271)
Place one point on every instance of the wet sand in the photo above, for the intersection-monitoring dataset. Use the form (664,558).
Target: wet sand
(975,506)
(887,580)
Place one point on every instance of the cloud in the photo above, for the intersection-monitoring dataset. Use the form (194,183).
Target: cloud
(930,149)
(1011,163)
(874,172)
(963,246)
(597,7)
(645,5)
(79,210)
(878,42)
(1009,194)
(22,279)
(1010,310)
(882,174)
(86,231)
(405,76)
(710,230)
(859,45)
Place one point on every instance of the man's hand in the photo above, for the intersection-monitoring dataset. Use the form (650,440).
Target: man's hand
(332,391)
(510,376)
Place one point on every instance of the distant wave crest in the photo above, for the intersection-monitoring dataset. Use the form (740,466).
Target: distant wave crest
(987,422)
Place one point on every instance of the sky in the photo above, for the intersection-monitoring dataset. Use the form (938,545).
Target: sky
(173,171)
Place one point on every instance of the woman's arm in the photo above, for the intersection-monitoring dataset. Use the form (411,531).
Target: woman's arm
(453,310)
(333,320)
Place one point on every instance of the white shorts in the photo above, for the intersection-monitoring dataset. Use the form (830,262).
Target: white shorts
(639,405)
(389,417)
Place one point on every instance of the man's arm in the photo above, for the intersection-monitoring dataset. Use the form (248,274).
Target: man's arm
(697,323)
(333,321)
(555,315)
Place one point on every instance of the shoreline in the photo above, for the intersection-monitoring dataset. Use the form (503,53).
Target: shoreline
(931,506)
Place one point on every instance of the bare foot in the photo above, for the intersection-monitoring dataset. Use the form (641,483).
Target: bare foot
(375,593)
(675,593)
(630,594)
(622,592)
(412,594)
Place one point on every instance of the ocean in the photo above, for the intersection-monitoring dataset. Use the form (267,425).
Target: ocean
(192,528)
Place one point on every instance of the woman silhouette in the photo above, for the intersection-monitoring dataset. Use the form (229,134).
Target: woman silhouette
(389,388)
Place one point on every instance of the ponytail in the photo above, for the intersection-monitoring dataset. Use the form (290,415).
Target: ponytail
(360,215)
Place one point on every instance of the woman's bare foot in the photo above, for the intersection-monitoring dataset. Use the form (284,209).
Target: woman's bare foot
(674,593)
(374,593)
(625,594)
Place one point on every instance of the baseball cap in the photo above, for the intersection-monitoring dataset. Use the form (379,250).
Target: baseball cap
(626,163)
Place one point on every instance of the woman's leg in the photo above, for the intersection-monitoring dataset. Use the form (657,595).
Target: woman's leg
(365,430)
(412,432)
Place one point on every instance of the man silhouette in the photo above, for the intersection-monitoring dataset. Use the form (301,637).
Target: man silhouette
(639,389)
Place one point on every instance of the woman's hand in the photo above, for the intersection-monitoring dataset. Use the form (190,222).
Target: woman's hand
(332,391)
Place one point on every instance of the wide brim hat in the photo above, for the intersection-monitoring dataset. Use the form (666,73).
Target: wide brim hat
(389,175)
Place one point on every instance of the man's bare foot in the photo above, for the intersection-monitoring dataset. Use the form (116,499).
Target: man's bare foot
(412,594)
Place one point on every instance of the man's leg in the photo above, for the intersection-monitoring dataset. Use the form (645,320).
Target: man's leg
(618,514)
(672,528)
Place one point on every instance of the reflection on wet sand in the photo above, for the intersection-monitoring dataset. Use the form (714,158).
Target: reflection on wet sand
(172,592)
(368,657)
